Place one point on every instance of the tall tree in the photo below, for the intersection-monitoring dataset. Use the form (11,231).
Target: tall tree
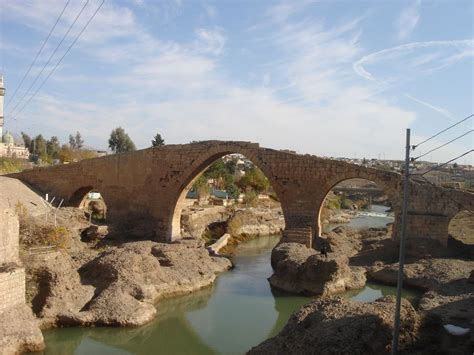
(72,141)
(26,140)
(157,141)
(79,141)
(120,142)
(53,147)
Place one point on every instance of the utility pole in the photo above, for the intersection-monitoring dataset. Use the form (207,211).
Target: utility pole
(401,259)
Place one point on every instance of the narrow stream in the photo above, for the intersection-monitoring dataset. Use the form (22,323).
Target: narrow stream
(239,311)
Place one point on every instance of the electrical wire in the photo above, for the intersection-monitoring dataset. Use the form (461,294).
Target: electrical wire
(65,53)
(443,145)
(441,165)
(442,131)
(37,55)
(50,57)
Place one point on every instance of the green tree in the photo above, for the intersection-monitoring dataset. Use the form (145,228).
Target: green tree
(232,190)
(53,147)
(201,187)
(255,179)
(157,141)
(38,147)
(79,141)
(231,166)
(72,141)
(120,142)
(26,140)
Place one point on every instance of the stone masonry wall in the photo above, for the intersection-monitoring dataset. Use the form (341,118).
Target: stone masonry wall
(9,237)
(12,277)
(12,288)
(145,190)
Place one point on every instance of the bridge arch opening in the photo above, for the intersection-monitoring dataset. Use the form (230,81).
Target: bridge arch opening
(220,194)
(357,203)
(91,201)
(461,232)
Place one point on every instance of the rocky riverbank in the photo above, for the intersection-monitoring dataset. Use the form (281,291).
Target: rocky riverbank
(337,326)
(119,286)
(448,285)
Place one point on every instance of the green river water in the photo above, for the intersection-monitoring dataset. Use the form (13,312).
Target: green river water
(239,311)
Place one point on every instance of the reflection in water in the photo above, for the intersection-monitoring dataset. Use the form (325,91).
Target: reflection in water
(238,312)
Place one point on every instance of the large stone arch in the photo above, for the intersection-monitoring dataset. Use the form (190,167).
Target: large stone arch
(195,170)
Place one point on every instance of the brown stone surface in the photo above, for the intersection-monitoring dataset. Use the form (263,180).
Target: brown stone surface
(334,325)
(145,190)
(9,236)
(119,286)
(302,270)
(19,331)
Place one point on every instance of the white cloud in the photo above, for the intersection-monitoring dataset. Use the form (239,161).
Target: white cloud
(311,99)
(440,110)
(408,19)
(210,41)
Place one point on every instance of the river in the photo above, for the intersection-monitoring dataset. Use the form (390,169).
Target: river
(376,216)
(239,311)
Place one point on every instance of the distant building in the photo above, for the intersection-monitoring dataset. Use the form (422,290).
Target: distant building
(8,148)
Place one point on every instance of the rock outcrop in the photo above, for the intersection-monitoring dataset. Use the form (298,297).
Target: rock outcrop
(301,270)
(119,286)
(333,325)
(256,222)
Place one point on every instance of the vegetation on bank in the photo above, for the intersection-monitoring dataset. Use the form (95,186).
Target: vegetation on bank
(35,234)
(222,176)
(48,151)
(12,165)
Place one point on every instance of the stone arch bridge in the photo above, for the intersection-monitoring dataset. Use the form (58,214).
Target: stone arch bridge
(144,190)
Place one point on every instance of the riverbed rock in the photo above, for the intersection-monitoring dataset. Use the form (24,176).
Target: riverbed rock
(119,286)
(254,222)
(19,331)
(333,325)
(302,270)
(424,274)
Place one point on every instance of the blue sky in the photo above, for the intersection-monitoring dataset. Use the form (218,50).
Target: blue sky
(332,78)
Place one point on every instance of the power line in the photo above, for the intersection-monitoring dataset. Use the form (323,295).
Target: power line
(50,57)
(443,145)
(449,161)
(444,130)
(65,53)
(37,54)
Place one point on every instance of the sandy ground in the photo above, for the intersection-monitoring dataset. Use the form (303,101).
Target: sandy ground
(13,191)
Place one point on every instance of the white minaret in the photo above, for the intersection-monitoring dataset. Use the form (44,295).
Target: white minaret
(2,96)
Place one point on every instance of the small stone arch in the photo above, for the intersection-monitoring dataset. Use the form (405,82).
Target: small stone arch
(195,170)
(392,196)
(77,197)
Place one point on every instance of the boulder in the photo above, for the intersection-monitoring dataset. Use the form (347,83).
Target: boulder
(94,233)
(333,325)
(302,270)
